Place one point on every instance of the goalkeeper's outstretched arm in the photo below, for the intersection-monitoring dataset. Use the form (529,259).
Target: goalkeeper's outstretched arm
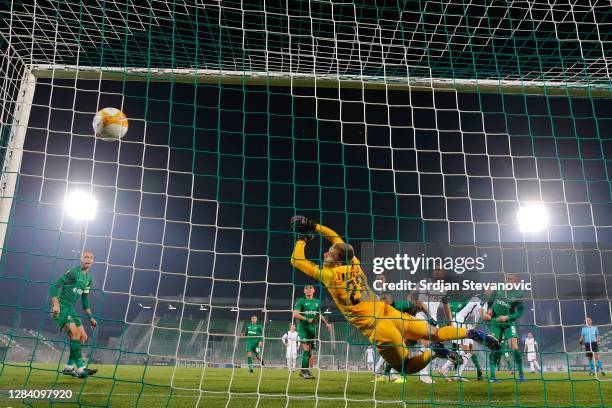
(329,234)
(304,229)
(299,261)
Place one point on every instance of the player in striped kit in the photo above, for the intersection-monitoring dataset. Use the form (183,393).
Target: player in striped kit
(291,340)
(467,315)
(432,300)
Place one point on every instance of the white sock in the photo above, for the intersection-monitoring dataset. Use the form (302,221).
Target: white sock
(68,367)
(379,365)
(465,357)
(425,372)
(537,365)
(447,366)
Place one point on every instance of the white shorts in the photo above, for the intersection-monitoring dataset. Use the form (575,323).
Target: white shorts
(531,356)
(422,316)
(466,342)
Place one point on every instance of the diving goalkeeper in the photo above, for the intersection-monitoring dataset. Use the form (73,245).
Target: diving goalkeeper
(74,282)
(385,326)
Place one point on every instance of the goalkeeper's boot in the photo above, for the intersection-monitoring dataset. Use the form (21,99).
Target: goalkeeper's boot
(399,380)
(488,339)
(479,375)
(69,371)
(381,378)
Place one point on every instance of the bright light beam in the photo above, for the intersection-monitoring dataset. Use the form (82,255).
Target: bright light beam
(532,218)
(80,205)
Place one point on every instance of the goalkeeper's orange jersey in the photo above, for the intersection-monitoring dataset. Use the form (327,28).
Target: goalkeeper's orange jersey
(350,290)
(347,284)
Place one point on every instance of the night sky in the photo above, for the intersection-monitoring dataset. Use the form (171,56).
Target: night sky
(196,198)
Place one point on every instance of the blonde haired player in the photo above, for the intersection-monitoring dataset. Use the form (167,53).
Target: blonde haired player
(388,328)
(65,291)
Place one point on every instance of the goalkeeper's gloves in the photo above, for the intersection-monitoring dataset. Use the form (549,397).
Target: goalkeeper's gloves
(303,227)
(433,322)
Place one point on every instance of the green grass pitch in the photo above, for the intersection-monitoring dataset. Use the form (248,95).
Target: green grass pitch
(140,386)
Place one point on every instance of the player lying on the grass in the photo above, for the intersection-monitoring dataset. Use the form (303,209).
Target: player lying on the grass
(385,326)
(531,349)
(465,314)
(589,335)
(505,307)
(253,333)
(74,282)
(307,311)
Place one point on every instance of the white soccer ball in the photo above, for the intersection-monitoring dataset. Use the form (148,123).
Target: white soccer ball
(110,124)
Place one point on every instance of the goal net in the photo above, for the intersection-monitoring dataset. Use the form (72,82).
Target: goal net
(394,123)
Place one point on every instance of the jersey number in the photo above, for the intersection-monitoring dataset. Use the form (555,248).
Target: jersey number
(353,286)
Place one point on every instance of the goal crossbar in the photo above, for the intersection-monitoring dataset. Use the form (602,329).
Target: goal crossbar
(416,83)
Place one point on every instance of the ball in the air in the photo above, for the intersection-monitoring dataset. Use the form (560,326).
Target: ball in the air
(110,124)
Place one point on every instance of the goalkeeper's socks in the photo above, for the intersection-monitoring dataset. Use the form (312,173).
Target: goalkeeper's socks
(305,359)
(417,363)
(450,333)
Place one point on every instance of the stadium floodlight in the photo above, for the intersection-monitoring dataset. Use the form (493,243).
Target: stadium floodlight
(144,307)
(202,308)
(327,311)
(80,205)
(532,218)
(170,307)
(234,309)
